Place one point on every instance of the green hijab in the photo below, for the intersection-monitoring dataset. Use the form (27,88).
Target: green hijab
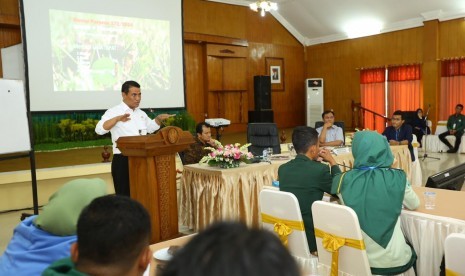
(372,189)
(60,215)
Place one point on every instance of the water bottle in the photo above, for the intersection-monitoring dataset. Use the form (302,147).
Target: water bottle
(265,155)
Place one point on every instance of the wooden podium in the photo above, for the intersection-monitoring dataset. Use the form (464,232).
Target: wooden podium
(152,176)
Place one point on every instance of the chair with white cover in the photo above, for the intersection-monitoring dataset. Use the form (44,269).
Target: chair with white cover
(280,212)
(337,224)
(454,250)
(179,169)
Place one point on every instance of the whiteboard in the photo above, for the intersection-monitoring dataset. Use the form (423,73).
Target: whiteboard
(14,127)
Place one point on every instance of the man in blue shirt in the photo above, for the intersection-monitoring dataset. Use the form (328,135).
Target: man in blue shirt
(399,133)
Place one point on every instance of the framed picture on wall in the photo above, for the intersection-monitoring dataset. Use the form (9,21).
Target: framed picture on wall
(275,69)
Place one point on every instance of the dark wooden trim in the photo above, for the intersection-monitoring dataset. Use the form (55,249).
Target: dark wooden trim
(9,21)
(205,38)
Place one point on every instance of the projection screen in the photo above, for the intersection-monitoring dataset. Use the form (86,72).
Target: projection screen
(78,53)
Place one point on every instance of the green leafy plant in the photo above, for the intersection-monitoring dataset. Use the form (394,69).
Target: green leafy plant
(182,120)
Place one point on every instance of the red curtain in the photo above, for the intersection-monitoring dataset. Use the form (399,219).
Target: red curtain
(404,88)
(452,86)
(372,97)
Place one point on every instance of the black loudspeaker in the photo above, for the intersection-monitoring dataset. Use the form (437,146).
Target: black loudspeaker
(264,116)
(262,92)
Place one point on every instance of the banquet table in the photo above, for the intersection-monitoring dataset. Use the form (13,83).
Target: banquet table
(210,194)
(153,269)
(427,229)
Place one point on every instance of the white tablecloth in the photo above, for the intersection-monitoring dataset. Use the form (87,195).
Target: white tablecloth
(427,234)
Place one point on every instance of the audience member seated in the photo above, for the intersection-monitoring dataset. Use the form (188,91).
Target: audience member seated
(376,193)
(197,150)
(455,126)
(399,133)
(419,127)
(113,238)
(306,178)
(40,240)
(231,249)
(329,133)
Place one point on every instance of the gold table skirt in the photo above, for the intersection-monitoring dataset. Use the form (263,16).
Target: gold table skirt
(210,194)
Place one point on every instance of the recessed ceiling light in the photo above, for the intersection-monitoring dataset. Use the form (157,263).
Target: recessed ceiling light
(363,27)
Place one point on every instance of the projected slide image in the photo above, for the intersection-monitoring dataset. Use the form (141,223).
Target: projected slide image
(93,52)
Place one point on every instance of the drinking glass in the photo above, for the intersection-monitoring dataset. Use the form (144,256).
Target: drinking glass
(430,200)
(291,149)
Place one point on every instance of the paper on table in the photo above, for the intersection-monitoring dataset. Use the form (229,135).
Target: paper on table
(147,271)
(162,254)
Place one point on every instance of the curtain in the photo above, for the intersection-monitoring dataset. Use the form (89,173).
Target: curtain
(452,87)
(372,97)
(404,88)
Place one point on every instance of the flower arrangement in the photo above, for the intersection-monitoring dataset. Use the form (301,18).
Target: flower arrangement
(228,156)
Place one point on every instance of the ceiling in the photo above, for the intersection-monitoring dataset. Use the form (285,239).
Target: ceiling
(320,21)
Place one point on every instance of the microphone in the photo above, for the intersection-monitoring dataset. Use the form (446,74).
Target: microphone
(427,112)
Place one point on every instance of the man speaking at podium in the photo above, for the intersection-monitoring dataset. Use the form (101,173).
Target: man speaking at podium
(126,119)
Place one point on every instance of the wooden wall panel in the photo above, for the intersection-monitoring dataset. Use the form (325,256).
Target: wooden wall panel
(232,106)
(452,38)
(234,74)
(288,105)
(10,33)
(214,18)
(215,73)
(266,38)
(196,97)
(337,64)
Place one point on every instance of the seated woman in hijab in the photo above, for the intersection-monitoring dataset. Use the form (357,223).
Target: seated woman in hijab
(376,193)
(419,126)
(40,240)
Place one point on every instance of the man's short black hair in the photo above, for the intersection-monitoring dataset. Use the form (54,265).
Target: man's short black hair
(303,137)
(231,249)
(128,84)
(399,112)
(112,231)
(459,105)
(199,127)
(326,112)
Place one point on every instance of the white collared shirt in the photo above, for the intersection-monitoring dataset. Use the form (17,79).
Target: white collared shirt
(139,121)
(332,134)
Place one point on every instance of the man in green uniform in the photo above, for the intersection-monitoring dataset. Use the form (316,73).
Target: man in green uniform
(455,126)
(307,178)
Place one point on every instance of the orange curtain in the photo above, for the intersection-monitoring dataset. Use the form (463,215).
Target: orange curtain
(452,86)
(404,88)
(372,97)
